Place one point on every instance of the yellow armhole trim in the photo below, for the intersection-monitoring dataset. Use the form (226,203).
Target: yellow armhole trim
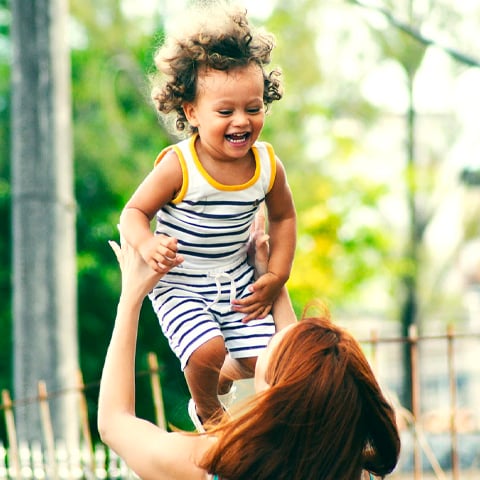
(181,194)
(273,165)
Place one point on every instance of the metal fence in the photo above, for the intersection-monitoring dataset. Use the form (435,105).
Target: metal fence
(441,432)
(438,442)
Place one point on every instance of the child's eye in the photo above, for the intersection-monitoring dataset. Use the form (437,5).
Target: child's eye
(253,110)
(225,112)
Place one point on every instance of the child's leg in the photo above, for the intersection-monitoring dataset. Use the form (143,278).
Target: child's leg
(235,369)
(202,373)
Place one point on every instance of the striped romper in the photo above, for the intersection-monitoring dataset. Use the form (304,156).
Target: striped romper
(212,224)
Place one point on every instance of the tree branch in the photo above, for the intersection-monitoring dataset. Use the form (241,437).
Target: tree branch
(414,33)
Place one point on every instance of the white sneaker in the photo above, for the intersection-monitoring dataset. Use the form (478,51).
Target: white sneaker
(227,399)
(192,412)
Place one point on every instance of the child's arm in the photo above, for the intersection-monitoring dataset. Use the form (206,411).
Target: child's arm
(158,188)
(282,239)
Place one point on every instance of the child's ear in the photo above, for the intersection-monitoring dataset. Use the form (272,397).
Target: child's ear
(190,113)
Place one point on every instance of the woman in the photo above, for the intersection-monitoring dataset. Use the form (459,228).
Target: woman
(319,413)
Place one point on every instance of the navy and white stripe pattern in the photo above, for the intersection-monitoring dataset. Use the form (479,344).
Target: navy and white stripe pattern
(187,324)
(212,221)
(212,224)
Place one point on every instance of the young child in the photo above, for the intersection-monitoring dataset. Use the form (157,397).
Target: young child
(205,192)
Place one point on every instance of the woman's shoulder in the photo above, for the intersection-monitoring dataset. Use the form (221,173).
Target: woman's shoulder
(190,450)
(172,455)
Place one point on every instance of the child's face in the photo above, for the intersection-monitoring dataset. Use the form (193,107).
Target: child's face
(228,110)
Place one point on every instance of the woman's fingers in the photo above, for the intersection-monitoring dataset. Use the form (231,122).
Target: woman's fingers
(116,250)
(259,221)
(123,243)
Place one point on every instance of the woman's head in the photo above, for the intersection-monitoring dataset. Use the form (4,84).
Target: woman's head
(323,372)
(215,37)
(322,416)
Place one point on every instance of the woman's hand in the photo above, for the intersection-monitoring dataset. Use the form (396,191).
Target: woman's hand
(258,248)
(138,278)
(259,304)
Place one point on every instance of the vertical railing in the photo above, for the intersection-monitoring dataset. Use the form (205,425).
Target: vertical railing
(452,377)
(85,425)
(415,382)
(422,456)
(91,461)
(47,430)
(14,459)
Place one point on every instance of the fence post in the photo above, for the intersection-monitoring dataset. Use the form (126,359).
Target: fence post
(453,402)
(415,381)
(47,429)
(156,390)
(13,458)
(85,426)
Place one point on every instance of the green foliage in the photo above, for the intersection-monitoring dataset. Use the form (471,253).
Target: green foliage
(5,280)
(5,213)
(402,47)
(342,244)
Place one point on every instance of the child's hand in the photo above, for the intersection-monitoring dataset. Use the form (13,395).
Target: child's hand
(264,291)
(161,253)
(137,277)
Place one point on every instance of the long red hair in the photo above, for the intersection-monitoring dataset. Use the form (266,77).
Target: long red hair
(324,416)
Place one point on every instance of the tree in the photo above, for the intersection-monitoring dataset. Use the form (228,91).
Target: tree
(44,297)
(401,40)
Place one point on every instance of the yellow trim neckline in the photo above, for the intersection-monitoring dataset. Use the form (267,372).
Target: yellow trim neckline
(215,183)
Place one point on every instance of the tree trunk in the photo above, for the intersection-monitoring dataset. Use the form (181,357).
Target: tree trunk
(44,266)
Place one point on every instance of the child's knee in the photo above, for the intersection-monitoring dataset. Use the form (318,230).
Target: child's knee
(211,354)
(248,365)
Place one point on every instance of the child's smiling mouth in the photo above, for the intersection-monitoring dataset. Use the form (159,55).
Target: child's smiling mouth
(237,137)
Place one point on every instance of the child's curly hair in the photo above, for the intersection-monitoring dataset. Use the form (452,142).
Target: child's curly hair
(218,38)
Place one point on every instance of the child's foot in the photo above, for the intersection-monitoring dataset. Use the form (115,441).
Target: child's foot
(228,398)
(192,412)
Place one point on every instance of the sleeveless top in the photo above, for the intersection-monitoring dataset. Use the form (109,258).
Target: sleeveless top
(210,220)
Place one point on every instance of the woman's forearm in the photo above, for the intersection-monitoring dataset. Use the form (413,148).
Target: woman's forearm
(117,386)
(282,247)
(282,309)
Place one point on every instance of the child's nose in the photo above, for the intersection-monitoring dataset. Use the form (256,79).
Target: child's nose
(240,119)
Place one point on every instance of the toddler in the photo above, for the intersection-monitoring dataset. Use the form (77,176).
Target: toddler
(204,193)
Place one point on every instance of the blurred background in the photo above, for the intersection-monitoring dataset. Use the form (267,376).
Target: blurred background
(378,131)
